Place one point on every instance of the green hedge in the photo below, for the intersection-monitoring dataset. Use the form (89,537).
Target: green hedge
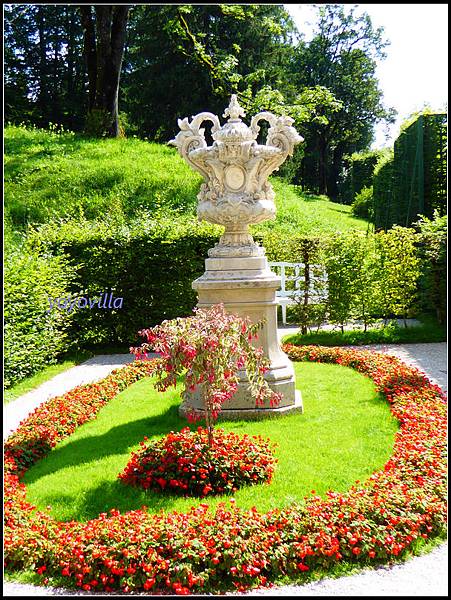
(383,207)
(413,182)
(358,174)
(149,263)
(34,334)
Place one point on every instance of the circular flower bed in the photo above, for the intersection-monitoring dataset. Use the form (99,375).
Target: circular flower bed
(183,462)
(204,550)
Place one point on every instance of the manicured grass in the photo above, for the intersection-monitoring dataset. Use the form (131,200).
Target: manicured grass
(52,175)
(345,433)
(428,331)
(307,214)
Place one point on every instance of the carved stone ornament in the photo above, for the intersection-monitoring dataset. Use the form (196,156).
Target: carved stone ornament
(236,191)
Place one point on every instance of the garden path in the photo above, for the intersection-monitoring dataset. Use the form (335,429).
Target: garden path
(425,575)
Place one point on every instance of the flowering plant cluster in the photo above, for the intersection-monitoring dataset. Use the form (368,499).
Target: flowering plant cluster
(208,349)
(203,550)
(183,462)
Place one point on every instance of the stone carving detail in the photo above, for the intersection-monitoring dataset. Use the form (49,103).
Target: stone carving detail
(236,192)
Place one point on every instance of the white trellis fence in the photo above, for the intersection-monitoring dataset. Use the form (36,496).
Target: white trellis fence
(292,275)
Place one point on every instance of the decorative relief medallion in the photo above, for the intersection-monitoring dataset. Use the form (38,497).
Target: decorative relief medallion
(234,177)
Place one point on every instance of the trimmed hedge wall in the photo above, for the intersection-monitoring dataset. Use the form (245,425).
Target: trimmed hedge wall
(413,182)
(358,174)
(150,264)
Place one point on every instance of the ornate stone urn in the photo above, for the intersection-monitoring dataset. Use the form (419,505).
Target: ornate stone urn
(236,193)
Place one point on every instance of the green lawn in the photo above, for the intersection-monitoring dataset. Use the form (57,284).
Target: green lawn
(428,331)
(345,433)
(51,176)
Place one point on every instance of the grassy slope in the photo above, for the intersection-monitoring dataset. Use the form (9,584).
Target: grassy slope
(53,175)
(345,434)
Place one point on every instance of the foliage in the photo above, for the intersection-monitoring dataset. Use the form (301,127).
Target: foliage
(185,463)
(357,174)
(328,85)
(357,277)
(399,270)
(342,58)
(211,347)
(363,204)
(210,50)
(415,183)
(150,263)
(374,521)
(432,249)
(341,262)
(44,68)
(311,283)
(382,192)
(34,335)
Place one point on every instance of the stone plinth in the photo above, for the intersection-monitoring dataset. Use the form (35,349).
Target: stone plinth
(247,287)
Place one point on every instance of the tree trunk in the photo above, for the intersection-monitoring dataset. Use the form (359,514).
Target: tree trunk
(42,99)
(322,164)
(104,43)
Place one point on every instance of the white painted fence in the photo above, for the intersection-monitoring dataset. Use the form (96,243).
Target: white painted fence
(286,295)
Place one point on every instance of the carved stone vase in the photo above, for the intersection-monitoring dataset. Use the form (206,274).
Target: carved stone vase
(235,194)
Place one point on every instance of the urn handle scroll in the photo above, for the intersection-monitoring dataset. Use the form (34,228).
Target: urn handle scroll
(192,137)
(281,133)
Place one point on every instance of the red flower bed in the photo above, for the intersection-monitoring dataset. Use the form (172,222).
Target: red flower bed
(203,550)
(183,462)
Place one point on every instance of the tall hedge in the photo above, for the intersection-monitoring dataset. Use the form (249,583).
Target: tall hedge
(414,182)
(431,248)
(150,264)
(383,206)
(358,174)
(34,335)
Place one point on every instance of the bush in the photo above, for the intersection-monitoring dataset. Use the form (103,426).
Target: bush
(363,203)
(358,173)
(185,463)
(432,247)
(150,263)
(34,335)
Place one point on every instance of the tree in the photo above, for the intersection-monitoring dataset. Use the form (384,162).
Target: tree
(342,58)
(104,40)
(44,73)
(196,56)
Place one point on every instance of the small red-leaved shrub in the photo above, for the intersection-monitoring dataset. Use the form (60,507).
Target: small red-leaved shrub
(204,550)
(184,462)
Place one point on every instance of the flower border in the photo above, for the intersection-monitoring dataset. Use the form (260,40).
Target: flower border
(199,551)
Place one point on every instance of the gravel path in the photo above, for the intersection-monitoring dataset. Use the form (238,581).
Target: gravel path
(420,576)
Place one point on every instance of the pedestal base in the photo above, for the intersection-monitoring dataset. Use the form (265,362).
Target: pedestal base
(247,287)
(254,414)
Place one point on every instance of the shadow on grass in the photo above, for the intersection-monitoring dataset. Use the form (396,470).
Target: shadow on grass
(116,440)
(114,495)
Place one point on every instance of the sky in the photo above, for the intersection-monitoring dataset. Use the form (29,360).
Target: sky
(415,71)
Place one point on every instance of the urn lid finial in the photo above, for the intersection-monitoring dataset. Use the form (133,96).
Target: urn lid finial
(234,110)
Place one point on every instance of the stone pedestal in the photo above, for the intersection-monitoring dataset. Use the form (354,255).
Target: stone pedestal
(247,287)
(236,193)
